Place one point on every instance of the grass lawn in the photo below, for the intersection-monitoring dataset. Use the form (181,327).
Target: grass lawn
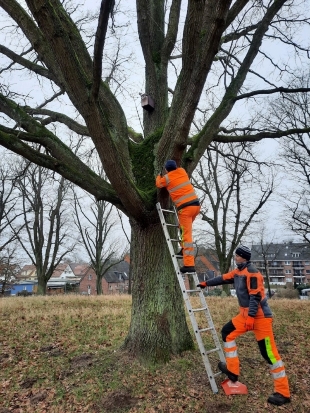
(63,354)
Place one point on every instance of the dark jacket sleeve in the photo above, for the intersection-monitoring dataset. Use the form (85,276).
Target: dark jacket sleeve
(219,281)
(254,303)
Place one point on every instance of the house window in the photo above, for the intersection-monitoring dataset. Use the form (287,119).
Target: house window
(287,262)
(88,289)
(89,277)
(110,286)
(307,271)
(307,262)
(287,271)
(295,254)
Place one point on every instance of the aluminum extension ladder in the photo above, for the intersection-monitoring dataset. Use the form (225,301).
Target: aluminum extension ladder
(193,311)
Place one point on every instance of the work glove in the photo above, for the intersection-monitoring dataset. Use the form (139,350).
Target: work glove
(249,323)
(203,284)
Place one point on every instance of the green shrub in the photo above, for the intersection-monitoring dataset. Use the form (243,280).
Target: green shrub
(287,293)
(215,292)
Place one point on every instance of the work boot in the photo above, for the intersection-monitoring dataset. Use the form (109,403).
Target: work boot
(278,399)
(232,376)
(186,269)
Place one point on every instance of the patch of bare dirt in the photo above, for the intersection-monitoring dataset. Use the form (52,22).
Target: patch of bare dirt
(82,361)
(217,408)
(38,397)
(3,356)
(27,383)
(52,350)
(118,401)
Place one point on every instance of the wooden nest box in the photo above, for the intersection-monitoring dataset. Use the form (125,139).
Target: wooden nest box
(147,103)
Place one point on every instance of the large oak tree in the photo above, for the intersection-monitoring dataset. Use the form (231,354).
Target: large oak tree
(214,44)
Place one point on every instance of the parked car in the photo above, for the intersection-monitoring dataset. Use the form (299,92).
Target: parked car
(24,293)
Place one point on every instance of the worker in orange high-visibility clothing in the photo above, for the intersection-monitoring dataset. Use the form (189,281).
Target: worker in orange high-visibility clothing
(255,315)
(187,204)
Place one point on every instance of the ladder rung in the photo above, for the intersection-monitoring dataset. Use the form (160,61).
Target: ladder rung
(195,310)
(212,351)
(172,225)
(193,291)
(206,329)
(217,374)
(168,210)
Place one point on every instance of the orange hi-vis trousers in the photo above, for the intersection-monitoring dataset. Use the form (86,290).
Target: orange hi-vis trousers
(186,217)
(267,346)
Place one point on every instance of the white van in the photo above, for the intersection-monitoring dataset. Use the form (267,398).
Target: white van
(304,294)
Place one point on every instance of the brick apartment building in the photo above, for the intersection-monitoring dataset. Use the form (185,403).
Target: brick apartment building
(286,262)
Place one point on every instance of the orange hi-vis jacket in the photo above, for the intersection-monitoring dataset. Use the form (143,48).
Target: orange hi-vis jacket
(179,187)
(249,285)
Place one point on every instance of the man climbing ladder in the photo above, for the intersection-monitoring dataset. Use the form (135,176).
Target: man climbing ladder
(187,204)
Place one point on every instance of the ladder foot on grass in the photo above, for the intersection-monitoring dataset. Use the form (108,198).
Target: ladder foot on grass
(231,387)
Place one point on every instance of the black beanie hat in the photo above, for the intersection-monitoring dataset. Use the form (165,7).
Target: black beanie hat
(171,165)
(244,252)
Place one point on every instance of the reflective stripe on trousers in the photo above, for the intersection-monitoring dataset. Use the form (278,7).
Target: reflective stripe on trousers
(186,217)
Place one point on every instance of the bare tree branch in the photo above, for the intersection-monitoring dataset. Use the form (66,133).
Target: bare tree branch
(106,9)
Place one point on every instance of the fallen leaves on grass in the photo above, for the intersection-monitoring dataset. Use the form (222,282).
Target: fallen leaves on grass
(63,356)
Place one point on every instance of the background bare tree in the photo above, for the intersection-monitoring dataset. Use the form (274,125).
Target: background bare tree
(269,252)
(217,46)
(46,237)
(294,112)
(234,187)
(9,215)
(9,267)
(97,224)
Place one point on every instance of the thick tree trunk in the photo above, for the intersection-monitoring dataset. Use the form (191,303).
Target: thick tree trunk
(158,325)
(99,284)
(42,284)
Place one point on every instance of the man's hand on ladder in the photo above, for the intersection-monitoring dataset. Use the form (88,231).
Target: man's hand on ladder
(203,284)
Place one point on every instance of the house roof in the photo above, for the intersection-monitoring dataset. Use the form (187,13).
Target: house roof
(28,267)
(30,271)
(54,282)
(281,252)
(59,270)
(205,262)
(79,269)
(118,270)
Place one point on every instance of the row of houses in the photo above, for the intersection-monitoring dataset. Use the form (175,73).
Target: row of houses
(72,277)
(81,278)
(286,263)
